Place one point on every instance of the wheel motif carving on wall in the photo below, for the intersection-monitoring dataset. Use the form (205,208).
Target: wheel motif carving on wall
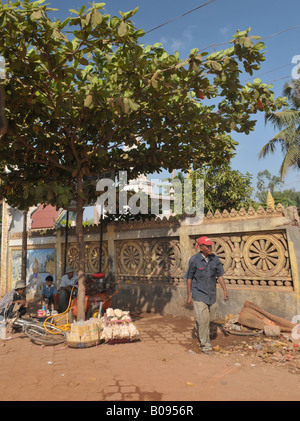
(264,254)
(93,258)
(73,257)
(166,257)
(131,258)
(222,250)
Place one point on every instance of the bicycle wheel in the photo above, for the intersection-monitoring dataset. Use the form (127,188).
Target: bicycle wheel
(39,334)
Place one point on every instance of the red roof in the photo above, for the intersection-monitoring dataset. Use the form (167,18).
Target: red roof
(44,217)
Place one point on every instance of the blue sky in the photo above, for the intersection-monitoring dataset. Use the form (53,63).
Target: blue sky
(213,24)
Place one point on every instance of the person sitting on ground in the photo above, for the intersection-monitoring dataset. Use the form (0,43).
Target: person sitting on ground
(14,302)
(67,282)
(47,296)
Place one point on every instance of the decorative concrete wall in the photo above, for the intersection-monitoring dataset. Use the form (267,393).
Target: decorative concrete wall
(259,250)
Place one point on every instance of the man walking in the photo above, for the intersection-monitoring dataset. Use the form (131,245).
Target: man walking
(204,270)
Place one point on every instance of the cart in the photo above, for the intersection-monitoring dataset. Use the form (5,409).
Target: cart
(97,296)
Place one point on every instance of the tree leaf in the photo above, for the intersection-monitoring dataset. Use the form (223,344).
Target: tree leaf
(89,101)
(96,18)
(83,61)
(122,29)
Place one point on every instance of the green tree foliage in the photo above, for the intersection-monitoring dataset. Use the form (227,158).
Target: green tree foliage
(268,182)
(287,122)
(265,182)
(224,188)
(79,91)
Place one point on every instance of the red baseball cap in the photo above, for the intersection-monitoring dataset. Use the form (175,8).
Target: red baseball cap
(204,241)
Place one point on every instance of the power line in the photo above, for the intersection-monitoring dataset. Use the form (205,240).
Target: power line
(261,38)
(269,71)
(227,43)
(280,32)
(275,80)
(184,14)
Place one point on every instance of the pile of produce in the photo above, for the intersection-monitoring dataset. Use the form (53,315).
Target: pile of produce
(118,326)
(115,326)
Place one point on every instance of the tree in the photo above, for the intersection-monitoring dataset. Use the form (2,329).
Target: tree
(84,96)
(288,197)
(288,122)
(224,188)
(265,182)
(268,182)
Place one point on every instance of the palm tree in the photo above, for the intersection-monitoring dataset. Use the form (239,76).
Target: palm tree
(288,122)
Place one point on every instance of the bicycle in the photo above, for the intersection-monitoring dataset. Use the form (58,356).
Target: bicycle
(45,333)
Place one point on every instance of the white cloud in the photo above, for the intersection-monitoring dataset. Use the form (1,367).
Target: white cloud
(176,44)
(182,42)
(224,30)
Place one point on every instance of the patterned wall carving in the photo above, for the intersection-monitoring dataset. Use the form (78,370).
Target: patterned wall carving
(149,260)
(248,258)
(92,250)
(254,259)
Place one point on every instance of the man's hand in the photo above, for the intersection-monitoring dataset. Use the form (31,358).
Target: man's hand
(189,294)
(189,300)
(222,283)
(22,302)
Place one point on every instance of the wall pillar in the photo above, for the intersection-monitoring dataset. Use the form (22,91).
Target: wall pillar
(185,247)
(4,250)
(111,250)
(58,255)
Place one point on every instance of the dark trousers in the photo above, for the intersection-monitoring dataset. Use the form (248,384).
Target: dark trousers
(64,296)
(49,300)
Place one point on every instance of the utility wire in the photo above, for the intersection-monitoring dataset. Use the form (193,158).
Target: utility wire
(262,38)
(269,71)
(184,14)
(227,43)
(275,80)
(280,32)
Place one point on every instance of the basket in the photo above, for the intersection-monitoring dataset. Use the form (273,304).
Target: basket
(80,345)
(118,341)
(83,334)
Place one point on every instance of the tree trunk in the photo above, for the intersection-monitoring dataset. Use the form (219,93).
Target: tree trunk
(80,239)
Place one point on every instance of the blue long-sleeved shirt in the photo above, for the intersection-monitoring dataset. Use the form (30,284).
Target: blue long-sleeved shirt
(204,277)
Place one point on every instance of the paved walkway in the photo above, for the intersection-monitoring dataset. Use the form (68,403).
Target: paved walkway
(165,365)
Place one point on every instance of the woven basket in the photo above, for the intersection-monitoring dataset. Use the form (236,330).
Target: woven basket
(81,345)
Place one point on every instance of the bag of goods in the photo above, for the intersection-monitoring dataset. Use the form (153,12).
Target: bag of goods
(85,331)
(117,314)
(107,334)
(118,327)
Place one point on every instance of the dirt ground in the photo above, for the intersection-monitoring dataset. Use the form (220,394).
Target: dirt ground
(165,365)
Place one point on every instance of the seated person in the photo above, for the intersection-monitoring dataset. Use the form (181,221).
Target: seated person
(67,282)
(47,296)
(14,302)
